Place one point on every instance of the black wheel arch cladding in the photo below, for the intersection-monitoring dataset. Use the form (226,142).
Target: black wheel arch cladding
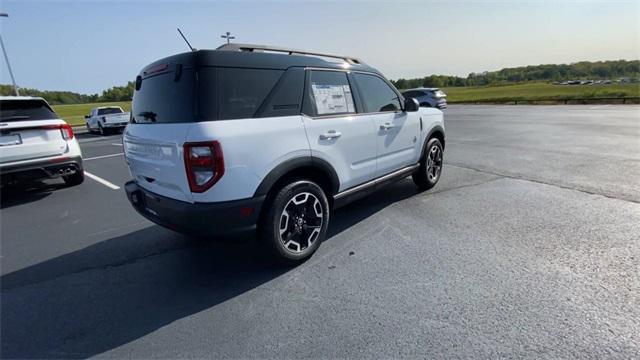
(299,166)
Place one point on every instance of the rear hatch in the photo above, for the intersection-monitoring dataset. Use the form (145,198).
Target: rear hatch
(161,115)
(29,129)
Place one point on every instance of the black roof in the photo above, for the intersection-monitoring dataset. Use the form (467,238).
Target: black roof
(260,57)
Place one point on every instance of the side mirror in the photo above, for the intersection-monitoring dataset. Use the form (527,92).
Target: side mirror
(87,116)
(411,104)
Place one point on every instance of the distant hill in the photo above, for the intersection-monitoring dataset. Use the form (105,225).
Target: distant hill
(580,70)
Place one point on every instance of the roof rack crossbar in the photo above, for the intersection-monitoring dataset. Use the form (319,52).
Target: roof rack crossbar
(252,47)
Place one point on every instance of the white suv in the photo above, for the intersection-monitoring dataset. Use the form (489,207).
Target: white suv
(249,136)
(35,143)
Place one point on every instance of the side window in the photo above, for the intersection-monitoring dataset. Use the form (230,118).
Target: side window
(328,93)
(242,91)
(376,95)
(286,98)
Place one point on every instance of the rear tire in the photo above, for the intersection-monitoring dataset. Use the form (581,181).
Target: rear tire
(431,164)
(74,179)
(296,221)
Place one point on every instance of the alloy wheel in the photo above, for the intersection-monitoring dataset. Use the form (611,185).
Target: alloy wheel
(434,163)
(300,222)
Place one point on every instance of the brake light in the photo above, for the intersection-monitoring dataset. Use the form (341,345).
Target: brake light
(204,164)
(155,69)
(67,132)
(65,129)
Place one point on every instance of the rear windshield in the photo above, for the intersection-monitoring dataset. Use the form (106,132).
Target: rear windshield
(209,93)
(25,110)
(109,111)
(164,99)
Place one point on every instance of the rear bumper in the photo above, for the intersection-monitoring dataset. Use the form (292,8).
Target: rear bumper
(114,125)
(37,170)
(219,218)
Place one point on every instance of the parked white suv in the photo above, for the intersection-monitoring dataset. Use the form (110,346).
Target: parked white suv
(35,143)
(250,136)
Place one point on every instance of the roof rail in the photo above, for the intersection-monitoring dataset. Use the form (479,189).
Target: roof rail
(259,48)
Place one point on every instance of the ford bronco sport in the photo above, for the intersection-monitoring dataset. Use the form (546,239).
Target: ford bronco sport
(249,136)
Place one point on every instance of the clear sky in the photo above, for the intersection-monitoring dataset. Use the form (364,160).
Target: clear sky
(88,46)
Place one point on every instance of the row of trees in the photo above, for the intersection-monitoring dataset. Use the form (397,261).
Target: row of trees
(116,93)
(575,71)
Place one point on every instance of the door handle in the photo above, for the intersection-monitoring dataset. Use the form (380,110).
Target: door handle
(387,126)
(331,134)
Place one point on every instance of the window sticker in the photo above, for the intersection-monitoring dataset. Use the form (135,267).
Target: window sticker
(333,99)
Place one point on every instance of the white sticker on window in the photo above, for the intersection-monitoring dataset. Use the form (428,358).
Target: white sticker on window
(333,99)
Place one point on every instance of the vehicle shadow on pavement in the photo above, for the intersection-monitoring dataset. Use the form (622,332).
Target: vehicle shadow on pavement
(18,195)
(98,298)
(357,211)
(117,291)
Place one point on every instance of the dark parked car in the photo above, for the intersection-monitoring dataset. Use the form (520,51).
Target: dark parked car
(428,97)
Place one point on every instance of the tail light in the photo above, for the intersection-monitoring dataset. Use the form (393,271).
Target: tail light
(204,164)
(67,132)
(65,129)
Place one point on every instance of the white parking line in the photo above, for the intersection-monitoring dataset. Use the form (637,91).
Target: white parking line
(116,144)
(101,181)
(90,140)
(102,157)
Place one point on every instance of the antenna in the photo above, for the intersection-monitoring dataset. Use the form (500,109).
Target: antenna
(228,37)
(185,40)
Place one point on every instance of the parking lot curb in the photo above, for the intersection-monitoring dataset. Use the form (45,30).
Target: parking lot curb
(79,129)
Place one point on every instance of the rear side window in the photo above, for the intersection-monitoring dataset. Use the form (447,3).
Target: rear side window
(109,111)
(165,98)
(376,95)
(328,93)
(242,91)
(25,110)
(204,94)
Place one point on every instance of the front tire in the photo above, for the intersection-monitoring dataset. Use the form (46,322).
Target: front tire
(431,164)
(74,179)
(296,221)
(103,132)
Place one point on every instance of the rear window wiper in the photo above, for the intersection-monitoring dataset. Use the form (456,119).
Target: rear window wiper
(15,117)
(148,115)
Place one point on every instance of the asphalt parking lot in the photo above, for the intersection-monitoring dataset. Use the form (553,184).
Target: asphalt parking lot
(528,247)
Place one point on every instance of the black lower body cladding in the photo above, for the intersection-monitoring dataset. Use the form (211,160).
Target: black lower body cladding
(199,219)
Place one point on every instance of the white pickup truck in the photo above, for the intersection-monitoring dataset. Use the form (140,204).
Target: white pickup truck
(106,118)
